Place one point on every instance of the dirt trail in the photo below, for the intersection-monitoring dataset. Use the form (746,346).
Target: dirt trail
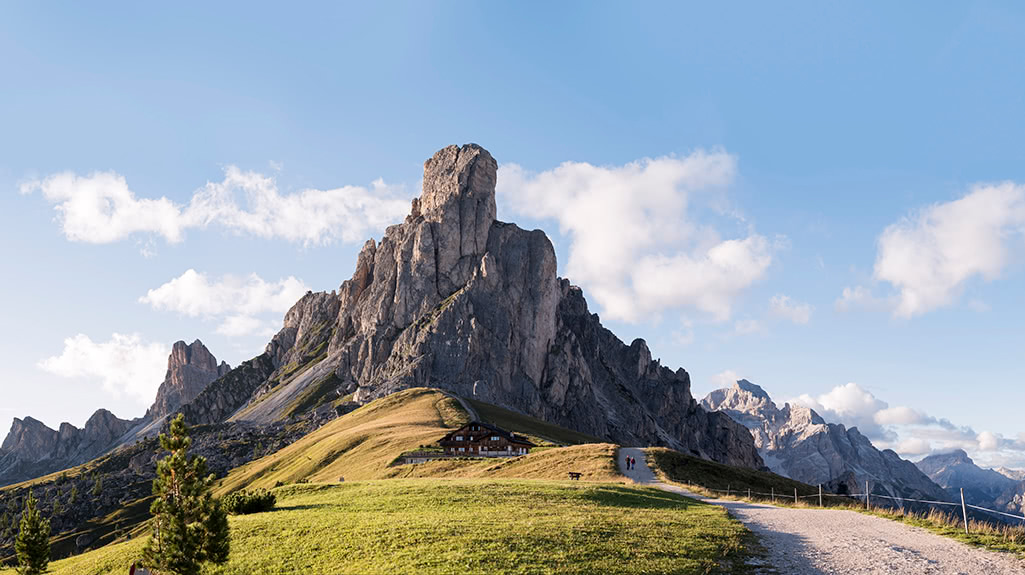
(827,541)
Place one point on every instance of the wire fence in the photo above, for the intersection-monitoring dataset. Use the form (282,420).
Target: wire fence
(867,496)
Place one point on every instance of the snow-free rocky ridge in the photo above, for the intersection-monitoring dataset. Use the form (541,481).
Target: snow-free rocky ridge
(32,449)
(796,442)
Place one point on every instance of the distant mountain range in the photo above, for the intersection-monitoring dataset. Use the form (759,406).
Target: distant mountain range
(1001,490)
(32,449)
(796,442)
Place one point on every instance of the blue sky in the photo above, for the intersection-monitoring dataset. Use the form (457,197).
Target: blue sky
(871,147)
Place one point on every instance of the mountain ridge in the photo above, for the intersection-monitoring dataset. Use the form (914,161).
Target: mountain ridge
(797,442)
(31,448)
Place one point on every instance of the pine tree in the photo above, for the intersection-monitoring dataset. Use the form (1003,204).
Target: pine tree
(98,486)
(189,526)
(32,545)
(74,495)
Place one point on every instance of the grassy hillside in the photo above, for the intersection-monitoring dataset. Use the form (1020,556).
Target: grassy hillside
(466,526)
(358,445)
(364,444)
(676,467)
(594,461)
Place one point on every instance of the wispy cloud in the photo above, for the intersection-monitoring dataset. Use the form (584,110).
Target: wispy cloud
(782,306)
(100,208)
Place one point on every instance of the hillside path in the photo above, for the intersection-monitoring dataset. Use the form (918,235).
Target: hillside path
(828,541)
(465,404)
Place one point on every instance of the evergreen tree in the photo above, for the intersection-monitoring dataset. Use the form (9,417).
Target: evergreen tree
(74,495)
(98,486)
(32,545)
(189,526)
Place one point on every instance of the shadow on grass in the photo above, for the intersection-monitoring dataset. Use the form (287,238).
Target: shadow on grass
(639,498)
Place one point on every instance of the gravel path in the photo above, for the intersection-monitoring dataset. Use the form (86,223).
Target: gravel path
(826,541)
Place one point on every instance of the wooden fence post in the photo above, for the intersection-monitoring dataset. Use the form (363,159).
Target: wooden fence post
(795,496)
(820,495)
(866,494)
(749,493)
(964,511)
(727,490)
(773,491)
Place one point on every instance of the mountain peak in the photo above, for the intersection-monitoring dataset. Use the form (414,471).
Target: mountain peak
(190,368)
(751,388)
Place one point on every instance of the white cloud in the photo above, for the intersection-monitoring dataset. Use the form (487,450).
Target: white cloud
(908,431)
(725,379)
(747,327)
(929,256)
(124,365)
(635,243)
(237,300)
(862,297)
(784,307)
(900,415)
(101,208)
(988,441)
(244,325)
(914,446)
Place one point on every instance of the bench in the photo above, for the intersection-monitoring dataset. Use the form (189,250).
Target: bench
(574,475)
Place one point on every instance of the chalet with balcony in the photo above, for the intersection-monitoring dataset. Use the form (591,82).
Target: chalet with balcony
(479,439)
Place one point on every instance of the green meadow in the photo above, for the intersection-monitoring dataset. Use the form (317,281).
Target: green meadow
(465,526)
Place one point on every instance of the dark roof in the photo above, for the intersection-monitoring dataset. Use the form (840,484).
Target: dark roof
(492,429)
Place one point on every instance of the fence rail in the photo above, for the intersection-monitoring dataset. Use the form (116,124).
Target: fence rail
(867,497)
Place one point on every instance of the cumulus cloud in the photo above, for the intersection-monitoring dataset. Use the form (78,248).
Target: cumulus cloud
(125,364)
(234,299)
(783,306)
(101,208)
(929,256)
(636,244)
(908,431)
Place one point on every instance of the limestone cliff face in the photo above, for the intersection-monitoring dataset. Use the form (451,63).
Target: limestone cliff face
(796,442)
(190,368)
(453,299)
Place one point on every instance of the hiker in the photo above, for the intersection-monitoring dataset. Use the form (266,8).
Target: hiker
(633,463)
(627,463)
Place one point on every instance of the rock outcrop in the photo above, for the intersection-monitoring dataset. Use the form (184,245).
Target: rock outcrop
(796,442)
(190,368)
(454,299)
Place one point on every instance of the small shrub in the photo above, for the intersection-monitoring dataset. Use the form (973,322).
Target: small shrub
(245,502)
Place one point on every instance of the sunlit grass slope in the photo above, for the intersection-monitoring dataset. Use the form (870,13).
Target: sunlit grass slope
(364,444)
(358,445)
(466,527)
(594,461)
